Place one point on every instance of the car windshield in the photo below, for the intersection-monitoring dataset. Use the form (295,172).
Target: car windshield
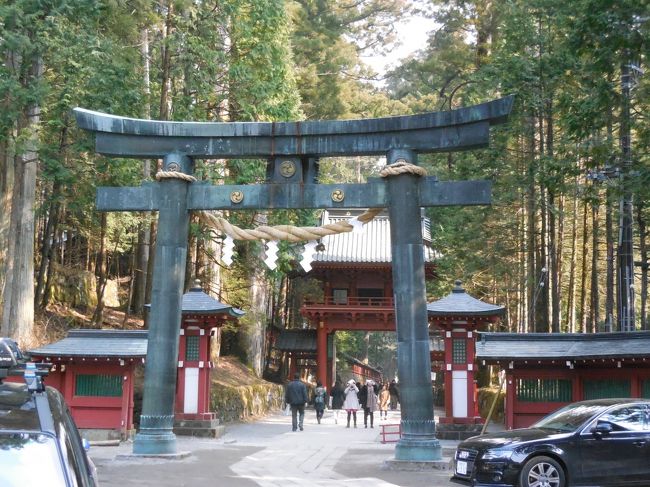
(569,418)
(29,459)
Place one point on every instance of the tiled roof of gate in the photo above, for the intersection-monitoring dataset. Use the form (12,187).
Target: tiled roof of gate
(563,346)
(371,244)
(97,343)
(296,341)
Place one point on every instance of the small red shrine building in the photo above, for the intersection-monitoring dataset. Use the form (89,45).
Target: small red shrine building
(545,371)
(356,272)
(201,316)
(94,370)
(460,316)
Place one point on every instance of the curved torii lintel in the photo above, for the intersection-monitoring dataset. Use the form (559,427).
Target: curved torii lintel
(462,129)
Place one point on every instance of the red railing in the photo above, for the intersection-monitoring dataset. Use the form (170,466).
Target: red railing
(391,433)
(352,301)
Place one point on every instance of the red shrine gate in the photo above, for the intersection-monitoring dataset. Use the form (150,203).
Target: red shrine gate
(355,269)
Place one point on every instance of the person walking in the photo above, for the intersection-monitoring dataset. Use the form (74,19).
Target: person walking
(319,400)
(296,396)
(338,396)
(370,403)
(351,403)
(384,400)
(393,390)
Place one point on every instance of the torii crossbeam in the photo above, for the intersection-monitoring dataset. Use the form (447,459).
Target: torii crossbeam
(293,150)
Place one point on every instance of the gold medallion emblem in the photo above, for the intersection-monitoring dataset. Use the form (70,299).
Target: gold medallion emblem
(237,197)
(338,195)
(287,168)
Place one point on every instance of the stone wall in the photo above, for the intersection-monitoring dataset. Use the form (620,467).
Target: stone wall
(237,403)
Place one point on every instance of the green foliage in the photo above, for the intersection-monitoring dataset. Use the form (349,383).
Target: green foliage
(382,349)
(260,75)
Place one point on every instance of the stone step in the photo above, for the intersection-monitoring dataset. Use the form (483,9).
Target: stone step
(197,423)
(213,432)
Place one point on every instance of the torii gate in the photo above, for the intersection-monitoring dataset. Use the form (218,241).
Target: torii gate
(292,150)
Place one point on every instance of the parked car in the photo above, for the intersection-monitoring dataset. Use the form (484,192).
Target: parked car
(39,442)
(602,442)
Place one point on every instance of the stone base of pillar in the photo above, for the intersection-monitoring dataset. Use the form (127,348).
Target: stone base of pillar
(408,466)
(163,456)
(456,431)
(418,450)
(147,443)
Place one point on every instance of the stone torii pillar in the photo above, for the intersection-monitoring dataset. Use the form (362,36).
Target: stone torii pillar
(292,150)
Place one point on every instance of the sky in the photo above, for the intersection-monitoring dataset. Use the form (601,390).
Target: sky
(412,34)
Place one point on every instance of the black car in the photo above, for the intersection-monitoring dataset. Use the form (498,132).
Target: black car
(39,442)
(602,442)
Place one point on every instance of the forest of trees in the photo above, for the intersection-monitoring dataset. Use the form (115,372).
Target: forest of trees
(546,249)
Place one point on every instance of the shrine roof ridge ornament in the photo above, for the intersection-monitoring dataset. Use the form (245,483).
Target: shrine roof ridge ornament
(461,129)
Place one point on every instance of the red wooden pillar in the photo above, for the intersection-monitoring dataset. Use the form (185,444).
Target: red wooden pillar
(321,353)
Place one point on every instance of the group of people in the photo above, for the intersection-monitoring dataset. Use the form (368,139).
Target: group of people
(354,396)
(370,397)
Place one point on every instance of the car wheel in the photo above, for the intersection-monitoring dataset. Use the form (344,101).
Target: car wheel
(542,472)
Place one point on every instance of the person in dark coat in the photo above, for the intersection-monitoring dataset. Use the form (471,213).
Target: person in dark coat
(338,396)
(393,390)
(370,404)
(320,395)
(296,396)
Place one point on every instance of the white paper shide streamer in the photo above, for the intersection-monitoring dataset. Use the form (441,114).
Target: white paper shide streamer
(227,250)
(271,255)
(308,255)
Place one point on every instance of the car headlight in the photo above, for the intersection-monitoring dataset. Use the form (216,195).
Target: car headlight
(497,454)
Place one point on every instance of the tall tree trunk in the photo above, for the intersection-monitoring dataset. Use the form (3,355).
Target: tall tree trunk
(101,273)
(47,243)
(18,312)
(522,287)
(610,238)
(532,227)
(560,219)
(554,236)
(543,303)
(643,251)
(6,190)
(165,83)
(594,314)
(583,270)
(571,290)
(365,347)
(144,228)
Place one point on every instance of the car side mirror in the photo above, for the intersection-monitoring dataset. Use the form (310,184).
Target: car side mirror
(602,428)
